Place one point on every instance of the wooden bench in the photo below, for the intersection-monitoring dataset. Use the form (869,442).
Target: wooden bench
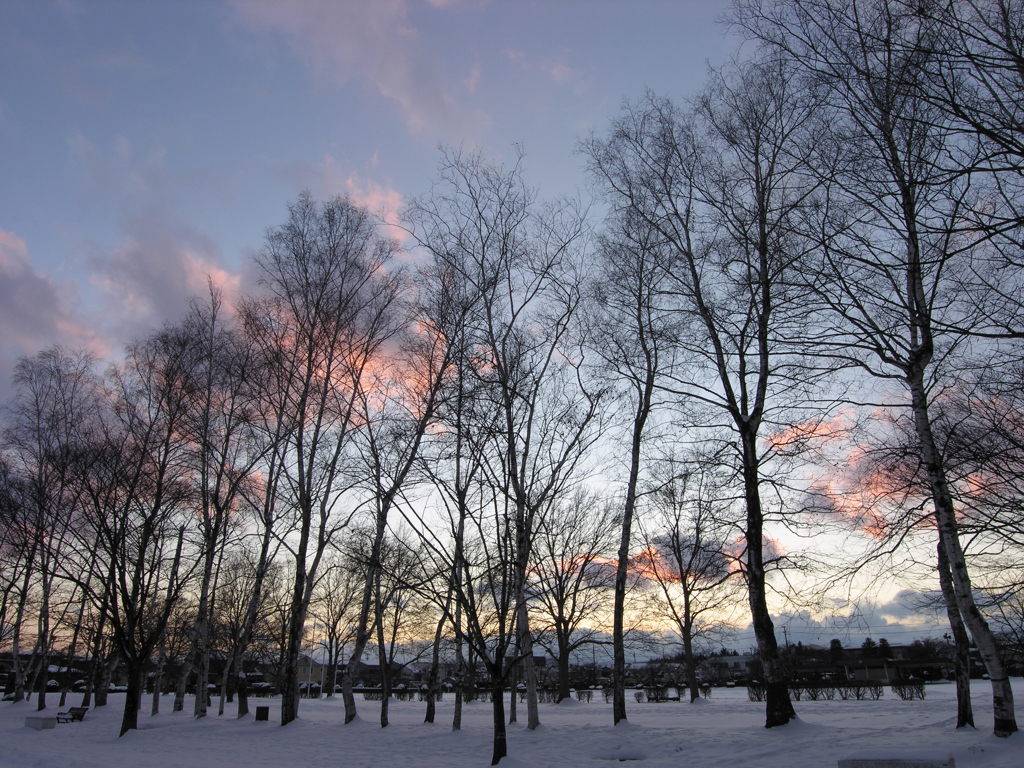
(898,758)
(73,715)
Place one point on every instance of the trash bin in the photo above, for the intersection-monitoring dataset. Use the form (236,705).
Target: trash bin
(263,713)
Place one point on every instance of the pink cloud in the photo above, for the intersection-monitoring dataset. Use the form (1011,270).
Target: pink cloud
(162,260)
(328,179)
(157,269)
(35,310)
(818,431)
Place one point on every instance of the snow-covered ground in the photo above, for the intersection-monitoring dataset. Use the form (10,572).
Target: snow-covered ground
(726,730)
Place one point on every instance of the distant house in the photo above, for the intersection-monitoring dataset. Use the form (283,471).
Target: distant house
(893,670)
(728,668)
(419,671)
(368,673)
(311,672)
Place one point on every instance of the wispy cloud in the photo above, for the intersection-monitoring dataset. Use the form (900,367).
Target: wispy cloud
(160,265)
(370,41)
(161,260)
(554,69)
(35,310)
(327,178)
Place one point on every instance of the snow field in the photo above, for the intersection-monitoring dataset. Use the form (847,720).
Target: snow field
(727,730)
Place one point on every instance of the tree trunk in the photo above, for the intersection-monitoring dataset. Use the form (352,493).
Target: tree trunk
(158,677)
(460,671)
(44,674)
(949,538)
(224,679)
(962,654)
(73,645)
(232,682)
(32,675)
(113,661)
(498,696)
(90,676)
(362,635)
(525,642)
(513,715)
(382,656)
(433,685)
(778,709)
(691,664)
(208,601)
(203,667)
(563,664)
(250,616)
(132,699)
(19,617)
(622,565)
(97,645)
(186,671)
(41,695)
(202,633)
(363,628)
(242,684)
(290,684)
(333,656)
(346,690)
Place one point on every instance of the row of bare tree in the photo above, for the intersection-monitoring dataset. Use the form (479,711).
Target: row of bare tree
(832,226)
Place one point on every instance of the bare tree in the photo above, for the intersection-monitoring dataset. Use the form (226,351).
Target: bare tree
(402,617)
(55,394)
(224,448)
(12,554)
(572,576)
(893,241)
(633,331)
(522,263)
(135,485)
(977,82)
(327,315)
(396,406)
(686,557)
(335,608)
(724,187)
(452,459)
(474,552)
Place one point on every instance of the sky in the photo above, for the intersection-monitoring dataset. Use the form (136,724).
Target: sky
(147,146)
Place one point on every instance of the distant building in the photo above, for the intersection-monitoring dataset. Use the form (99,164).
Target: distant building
(728,668)
(893,670)
(310,672)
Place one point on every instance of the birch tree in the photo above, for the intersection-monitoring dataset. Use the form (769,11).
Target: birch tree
(893,240)
(326,317)
(634,327)
(523,261)
(723,187)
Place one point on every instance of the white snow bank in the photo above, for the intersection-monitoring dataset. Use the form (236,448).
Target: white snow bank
(726,730)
